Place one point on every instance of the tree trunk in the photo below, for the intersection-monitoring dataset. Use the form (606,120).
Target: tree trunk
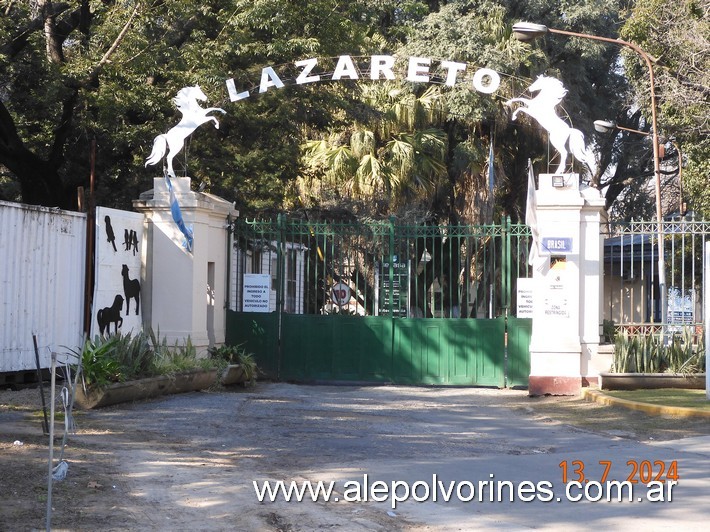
(40,182)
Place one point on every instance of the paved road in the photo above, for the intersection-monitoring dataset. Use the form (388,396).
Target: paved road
(189,460)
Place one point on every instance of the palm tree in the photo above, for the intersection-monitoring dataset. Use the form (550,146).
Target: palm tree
(396,152)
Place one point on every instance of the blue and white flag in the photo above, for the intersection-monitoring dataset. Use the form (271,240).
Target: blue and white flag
(535,259)
(491,169)
(177,216)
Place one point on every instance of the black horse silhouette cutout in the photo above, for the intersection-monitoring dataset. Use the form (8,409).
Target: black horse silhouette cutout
(131,289)
(110,237)
(126,240)
(108,315)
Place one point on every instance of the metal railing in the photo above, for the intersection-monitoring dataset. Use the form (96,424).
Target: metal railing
(386,268)
(381,268)
(632,299)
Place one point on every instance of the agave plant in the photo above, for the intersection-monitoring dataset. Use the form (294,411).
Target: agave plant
(624,352)
(99,366)
(118,358)
(177,358)
(649,355)
(684,353)
(135,355)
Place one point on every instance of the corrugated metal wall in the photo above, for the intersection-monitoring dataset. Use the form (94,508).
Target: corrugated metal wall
(41,283)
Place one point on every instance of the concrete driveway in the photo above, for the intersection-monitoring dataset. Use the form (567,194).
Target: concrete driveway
(189,462)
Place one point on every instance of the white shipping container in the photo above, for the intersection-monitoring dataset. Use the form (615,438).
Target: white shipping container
(42,264)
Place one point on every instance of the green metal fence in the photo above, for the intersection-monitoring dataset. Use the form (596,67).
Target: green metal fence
(431,304)
(379,301)
(389,269)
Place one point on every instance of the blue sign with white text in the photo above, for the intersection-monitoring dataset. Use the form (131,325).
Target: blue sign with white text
(555,244)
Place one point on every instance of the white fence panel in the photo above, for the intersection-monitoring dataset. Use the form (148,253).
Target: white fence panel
(119,240)
(42,256)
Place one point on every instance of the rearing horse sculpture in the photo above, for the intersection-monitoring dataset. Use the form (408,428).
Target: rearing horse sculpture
(564,138)
(192,116)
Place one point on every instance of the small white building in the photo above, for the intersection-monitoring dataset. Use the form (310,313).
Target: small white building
(261,257)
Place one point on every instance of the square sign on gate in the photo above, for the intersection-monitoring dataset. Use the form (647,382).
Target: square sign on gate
(255,296)
(524,297)
(399,287)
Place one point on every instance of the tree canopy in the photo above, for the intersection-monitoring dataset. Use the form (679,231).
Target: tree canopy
(677,37)
(106,71)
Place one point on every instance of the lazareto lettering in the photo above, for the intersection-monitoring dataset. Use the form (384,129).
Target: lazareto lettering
(373,68)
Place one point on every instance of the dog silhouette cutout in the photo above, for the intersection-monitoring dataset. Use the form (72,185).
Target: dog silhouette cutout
(131,289)
(108,315)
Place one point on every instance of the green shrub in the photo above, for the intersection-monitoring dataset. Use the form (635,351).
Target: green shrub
(98,361)
(609,331)
(227,353)
(119,358)
(235,354)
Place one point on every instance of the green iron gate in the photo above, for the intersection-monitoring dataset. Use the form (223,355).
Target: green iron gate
(380,302)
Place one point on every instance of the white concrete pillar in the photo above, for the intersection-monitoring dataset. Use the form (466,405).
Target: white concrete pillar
(594,216)
(567,289)
(186,291)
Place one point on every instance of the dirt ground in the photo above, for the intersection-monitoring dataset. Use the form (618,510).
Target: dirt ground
(157,465)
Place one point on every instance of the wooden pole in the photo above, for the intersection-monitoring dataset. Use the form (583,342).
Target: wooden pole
(89,257)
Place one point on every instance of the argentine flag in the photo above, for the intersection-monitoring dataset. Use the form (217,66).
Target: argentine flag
(177,216)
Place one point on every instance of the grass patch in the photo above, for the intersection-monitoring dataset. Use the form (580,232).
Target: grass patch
(666,397)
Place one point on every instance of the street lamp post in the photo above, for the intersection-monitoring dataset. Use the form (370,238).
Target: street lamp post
(526,31)
(605,126)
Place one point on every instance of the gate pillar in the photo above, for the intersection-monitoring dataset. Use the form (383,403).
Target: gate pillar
(185,291)
(567,285)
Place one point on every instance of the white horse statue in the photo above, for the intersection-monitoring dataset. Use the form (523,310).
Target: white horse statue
(192,116)
(542,108)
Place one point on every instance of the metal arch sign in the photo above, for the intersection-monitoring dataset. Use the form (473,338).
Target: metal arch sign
(563,137)
(381,67)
